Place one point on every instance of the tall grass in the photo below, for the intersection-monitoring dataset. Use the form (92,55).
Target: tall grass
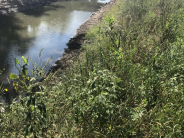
(128,82)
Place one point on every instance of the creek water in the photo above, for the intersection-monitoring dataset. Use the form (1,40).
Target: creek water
(49,27)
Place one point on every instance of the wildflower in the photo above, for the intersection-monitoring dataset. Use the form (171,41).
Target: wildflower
(15,84)
(6,89)
(16,88)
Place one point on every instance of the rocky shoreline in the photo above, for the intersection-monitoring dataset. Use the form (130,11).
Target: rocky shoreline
(76,42)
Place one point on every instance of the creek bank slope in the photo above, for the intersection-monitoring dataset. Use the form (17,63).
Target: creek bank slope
(76,41)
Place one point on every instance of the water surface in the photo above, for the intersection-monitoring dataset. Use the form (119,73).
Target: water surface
(49,27)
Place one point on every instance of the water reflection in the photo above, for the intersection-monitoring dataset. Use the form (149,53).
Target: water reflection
(49,27)
(10,41)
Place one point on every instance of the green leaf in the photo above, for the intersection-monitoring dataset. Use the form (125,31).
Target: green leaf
(24,71)
(25,61)
(40,52)
(13,76)
(32,108)
(32,79)
(39,93)
(112,19)
(117,42)
(107,19)
(30,129)
(17,61)
(31,135)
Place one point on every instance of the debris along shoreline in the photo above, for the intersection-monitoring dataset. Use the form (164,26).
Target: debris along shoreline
(76,41)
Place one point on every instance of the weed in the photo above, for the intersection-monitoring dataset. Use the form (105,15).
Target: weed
(128,82)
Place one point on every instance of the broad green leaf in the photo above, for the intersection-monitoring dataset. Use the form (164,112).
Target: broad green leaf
(24,60)
(13,76)
(107,19)
(117,42)
(31,135)
(112,19)
(32,108)
(17,61)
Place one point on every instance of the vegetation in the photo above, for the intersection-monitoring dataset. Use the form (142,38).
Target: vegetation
(128,82)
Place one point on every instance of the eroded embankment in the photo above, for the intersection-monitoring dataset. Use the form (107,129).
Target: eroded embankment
(75,42)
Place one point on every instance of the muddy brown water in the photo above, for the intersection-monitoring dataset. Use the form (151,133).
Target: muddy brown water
(49,27)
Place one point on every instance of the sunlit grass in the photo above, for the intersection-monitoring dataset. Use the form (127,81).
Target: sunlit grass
(128,82)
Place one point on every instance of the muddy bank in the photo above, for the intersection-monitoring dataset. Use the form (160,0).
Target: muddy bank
(8,6)
(76,42)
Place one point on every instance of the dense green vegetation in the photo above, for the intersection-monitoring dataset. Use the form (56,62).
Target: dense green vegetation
(128,81)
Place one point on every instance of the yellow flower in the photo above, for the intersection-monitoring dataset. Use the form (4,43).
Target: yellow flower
(15,84)
(16,88)
(6,89)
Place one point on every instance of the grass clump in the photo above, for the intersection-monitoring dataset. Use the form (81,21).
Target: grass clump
(128,82)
